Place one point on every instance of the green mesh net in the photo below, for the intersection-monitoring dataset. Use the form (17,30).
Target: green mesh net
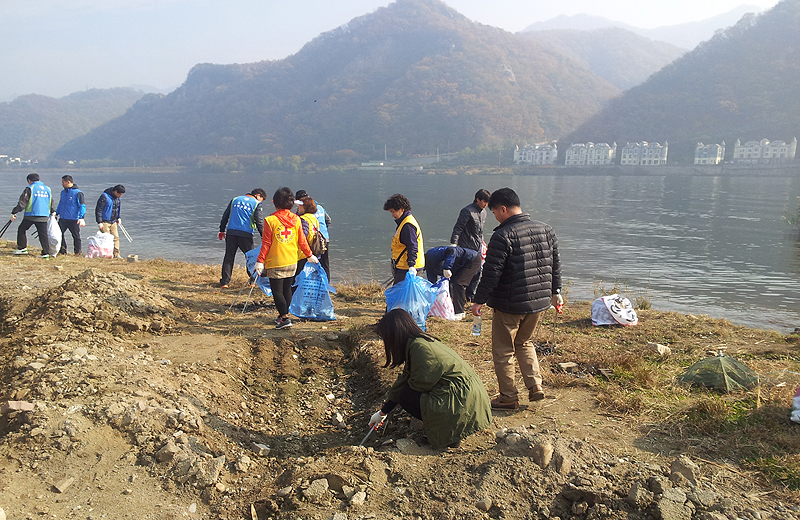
(720,373)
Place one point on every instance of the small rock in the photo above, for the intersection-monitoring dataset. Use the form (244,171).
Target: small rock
(243,463)
(580,508)
(330,398)
(127,491)
(485,504)
(512,439)
(62,485)
(684,467)
(284,492)
(658,349)
(17,406)
(501,434)
(79,352)
(358,499)
(639,496)
(331,337)
(542,454)
(262,450)
(348,492)
(193,508)
(317,491)
(220,487)
(36,365)
(409,447)
(2,514)
(338,516)
(658,485)
(568,366)
(338,421)
(167,452)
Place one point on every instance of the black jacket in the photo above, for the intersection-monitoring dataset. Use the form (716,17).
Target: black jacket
(468,231)
(522,269)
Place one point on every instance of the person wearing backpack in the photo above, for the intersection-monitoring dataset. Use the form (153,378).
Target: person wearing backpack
(70,212)
(324,220)
(407,245)
(37,203)
(306,210)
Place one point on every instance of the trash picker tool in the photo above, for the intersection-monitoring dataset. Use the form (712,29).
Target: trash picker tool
(375,428)
(252,286)
(3,231)
(249,281)
(124,232)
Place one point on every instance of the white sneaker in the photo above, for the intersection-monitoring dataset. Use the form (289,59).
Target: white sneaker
(23,251)
(460,316)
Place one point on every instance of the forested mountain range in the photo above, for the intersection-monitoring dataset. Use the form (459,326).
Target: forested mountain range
(743,83)
(414,76)
(621,57)
(684,35)
(33,126)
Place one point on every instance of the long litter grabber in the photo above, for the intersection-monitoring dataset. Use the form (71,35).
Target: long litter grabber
(251,283)
(124,232)
(3,231)
(375,428)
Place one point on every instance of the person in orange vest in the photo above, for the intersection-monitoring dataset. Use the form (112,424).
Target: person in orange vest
(407,245)
(282,244)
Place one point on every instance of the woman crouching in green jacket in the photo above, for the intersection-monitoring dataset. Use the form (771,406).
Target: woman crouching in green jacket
(436,385)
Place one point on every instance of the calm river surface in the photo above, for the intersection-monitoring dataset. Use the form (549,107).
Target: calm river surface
(701,245)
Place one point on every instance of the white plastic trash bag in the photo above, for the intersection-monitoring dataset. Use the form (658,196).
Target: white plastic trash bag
(796,405)
(443,305)
(613,310)
(101,245)
(53,235)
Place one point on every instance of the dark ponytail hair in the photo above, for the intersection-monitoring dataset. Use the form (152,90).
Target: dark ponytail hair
(396,329)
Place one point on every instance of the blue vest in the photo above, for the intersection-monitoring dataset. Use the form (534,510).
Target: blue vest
(39,205)
(69,207)
(241,218)
(323,226)
(108,211)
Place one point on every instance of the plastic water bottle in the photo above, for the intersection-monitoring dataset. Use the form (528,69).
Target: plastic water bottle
(476,324)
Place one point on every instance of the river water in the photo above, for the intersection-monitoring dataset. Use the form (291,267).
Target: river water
(700,245)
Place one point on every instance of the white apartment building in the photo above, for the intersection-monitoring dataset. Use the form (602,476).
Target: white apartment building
(644,154)
(540,154)
(764,151)
(709,153)
(580,154)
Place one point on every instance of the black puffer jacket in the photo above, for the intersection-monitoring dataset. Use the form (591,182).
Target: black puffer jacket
(522,269)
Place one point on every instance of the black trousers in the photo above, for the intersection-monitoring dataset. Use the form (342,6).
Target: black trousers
(75,229)
(409,399)
(233,243)
(282,293)
(325,262)
(22,237)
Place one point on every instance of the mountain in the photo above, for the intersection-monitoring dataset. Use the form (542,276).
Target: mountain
(33,126)
(619,56)
(684,35)
(415,75)
(743,83)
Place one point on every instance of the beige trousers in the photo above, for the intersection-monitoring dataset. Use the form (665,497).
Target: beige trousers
(511,337)
(112,228)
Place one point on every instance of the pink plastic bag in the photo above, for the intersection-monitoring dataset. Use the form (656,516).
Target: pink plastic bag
(101,245)
(443,305)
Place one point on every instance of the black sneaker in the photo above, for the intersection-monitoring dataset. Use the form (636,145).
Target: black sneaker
(283,323)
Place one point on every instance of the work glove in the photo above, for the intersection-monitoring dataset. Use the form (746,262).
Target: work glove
(447,273)
(453,245)
(221,235)
(376,419)
(100,225)
(313,259)
(13,217)
(81,222)
(258,268)
(557,301)
(413,271)
(119,221)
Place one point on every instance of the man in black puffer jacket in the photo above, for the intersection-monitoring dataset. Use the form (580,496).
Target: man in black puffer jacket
(521,279)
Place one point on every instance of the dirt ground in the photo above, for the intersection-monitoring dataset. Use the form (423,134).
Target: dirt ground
(153,398)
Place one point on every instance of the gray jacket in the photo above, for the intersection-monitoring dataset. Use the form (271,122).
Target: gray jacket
(468,231)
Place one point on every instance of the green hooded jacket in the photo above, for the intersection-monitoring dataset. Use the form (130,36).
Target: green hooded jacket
(454,402)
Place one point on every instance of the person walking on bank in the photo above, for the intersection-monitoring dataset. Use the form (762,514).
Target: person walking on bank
(240,219)
(458,265)
(37,203)
(407,248)
(521,279)
(468,232)
(70,212)
(324,220)
(306,210)
(282,243)
(436,385)
(107,213)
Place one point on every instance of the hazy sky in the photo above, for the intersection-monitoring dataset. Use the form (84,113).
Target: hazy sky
(55,47)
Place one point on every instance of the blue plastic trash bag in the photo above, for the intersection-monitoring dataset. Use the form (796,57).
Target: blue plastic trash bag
(415,295)
(262,281)
(311,299)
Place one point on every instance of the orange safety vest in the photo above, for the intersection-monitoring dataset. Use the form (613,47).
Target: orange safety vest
(399,254)
(286,244)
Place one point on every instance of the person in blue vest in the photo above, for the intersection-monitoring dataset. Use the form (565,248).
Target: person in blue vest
(457,264)
(324,221)
(107,213)
(241,218)
(70,212)
(37,203)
